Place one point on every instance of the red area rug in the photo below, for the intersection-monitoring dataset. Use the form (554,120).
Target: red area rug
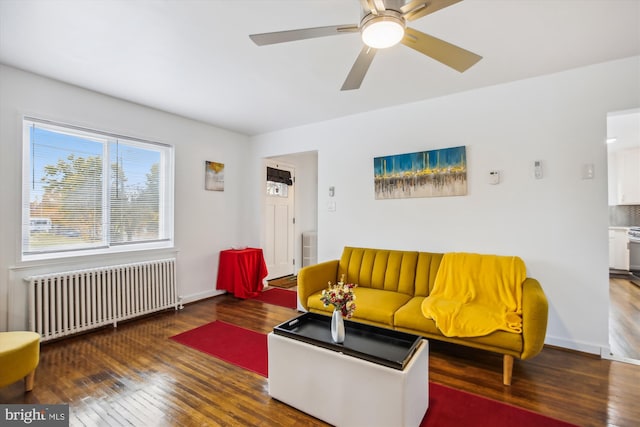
(451,407)
(236,345)
(281,297)
(448,407)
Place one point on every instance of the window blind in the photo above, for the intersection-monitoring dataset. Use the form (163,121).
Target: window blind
(87,190)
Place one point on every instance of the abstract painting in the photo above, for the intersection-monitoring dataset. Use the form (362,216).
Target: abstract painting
(214,176)
(434,173)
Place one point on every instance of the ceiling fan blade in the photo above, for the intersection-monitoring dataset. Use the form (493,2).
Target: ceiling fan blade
(413,6)
(379,4)
(419,8)
(373,6)
(301,34)
(449,54)
(359,69)
(367,5)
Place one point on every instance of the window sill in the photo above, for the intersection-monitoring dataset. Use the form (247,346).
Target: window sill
(88,257)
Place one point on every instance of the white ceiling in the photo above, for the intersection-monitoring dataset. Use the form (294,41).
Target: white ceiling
(195,59)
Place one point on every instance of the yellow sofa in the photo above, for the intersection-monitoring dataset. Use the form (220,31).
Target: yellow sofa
(392,286)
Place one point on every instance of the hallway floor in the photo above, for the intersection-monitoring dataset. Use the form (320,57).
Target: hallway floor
(624,318)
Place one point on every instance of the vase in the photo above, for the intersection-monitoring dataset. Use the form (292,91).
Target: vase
(337,327)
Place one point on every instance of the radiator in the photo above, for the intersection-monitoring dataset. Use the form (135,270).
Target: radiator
(75,301)
(309,248)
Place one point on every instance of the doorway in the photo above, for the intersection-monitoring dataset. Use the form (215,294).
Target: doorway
(623,159)
(304,168)
(279,219)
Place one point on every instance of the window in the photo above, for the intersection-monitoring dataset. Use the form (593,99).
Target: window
(88,192)
(278,182)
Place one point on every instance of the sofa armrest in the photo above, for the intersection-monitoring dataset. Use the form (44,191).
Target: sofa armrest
(535,312)
(314,278)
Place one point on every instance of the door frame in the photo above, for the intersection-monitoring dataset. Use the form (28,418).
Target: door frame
(279,164)
(606,353)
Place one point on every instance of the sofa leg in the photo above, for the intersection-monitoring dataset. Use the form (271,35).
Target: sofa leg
(29,380)
(507,369)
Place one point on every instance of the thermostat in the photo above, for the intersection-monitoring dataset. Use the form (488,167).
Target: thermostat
(494,177)
(537,169)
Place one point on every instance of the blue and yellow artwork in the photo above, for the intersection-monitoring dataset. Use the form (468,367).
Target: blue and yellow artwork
(434,173)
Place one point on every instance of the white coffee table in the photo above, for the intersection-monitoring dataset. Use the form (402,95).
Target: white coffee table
(345,390)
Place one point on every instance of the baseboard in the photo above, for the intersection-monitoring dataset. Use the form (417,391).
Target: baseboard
(606,354)
(186,299)
(574,345)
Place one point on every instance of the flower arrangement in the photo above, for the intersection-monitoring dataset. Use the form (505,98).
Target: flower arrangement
(341,297)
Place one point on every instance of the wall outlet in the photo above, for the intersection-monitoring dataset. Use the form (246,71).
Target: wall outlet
(588,171)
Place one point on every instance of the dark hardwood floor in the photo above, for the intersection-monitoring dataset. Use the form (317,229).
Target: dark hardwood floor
(624,318)
(135,375)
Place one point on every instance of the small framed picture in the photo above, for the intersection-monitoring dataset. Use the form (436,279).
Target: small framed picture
(214,176)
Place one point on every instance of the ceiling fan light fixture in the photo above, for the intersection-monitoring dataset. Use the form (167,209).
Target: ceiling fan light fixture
(383,30)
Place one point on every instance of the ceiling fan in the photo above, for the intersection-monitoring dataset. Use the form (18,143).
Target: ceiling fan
(384,24)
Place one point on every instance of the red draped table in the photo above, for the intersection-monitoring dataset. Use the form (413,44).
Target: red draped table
(241,272)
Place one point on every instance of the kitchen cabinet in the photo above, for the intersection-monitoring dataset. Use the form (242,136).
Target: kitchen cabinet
(625,173)
(618,248)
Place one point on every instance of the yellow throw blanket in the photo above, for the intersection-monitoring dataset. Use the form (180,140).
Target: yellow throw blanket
(475,294)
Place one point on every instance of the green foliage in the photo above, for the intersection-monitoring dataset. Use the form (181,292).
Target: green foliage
(73,200)
(66,186)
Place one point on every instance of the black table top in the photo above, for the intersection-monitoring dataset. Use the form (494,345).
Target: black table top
(378,345)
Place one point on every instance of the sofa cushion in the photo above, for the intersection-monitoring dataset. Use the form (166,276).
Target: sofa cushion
(426,272)
(378,306)
(381,269)
(409,318)
(372,305)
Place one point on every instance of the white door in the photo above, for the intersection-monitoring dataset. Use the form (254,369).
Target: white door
(279,224)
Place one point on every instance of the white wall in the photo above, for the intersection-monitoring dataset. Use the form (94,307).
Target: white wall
(558,224)
(205,221)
